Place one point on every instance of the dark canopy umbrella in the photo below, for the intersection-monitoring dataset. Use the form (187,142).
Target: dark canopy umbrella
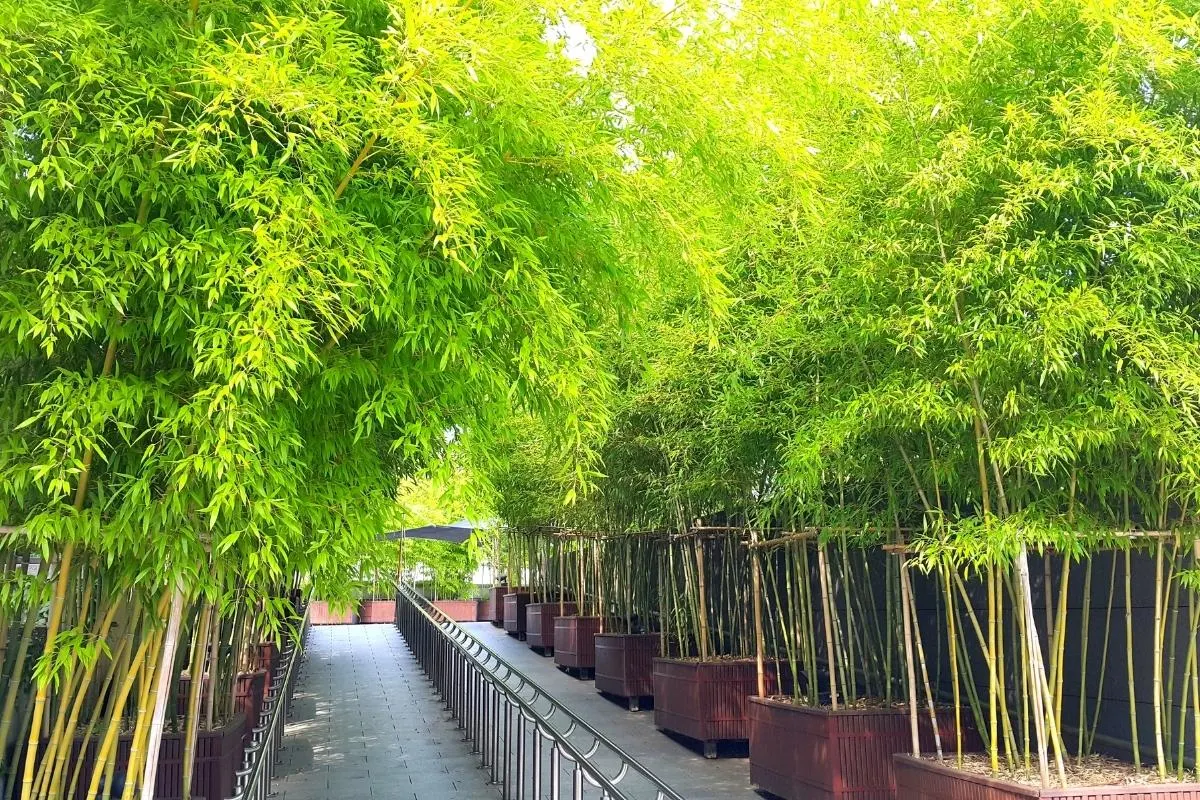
(457,532)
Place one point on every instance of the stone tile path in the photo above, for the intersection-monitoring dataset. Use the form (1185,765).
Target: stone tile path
(367,725)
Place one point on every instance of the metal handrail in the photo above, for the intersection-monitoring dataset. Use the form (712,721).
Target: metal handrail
(510,720)
(261,757)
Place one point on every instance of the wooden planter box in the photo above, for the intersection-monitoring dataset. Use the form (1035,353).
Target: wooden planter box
(799,752)
(922,779)
(625,665)
(268,658)
(377,611)
(495,604)
(321,614)
(514,613)
(248,698)
(218,756)
(539,624)
(707,700)
(458,610)
(575,643)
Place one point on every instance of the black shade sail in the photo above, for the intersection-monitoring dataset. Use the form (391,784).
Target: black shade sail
(457,532)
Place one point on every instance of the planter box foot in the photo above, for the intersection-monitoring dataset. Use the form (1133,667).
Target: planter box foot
(710,749)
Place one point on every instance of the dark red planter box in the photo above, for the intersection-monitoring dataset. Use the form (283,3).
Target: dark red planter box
(539,622)
(707,700)
(268,658)
(218,756)
(458,610)
(495,605)
(799,752)
(625,665)
(376,611)
(321,614)
(514,613)
(924,779)
(575,642)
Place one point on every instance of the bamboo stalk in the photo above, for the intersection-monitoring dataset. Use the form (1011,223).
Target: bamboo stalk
(1006,732)
(1188,666)
(970,684)
(702,602)
(916,636)
(1085,626)
(756,588)
(1159,751)
(911,672)
(993,672)
(214,639)
(1171,622)
(192,725)
(1195,626)
(952,642)
(160,702)
(1060,639)
(810,622)
(1133,727)
(831,656)
(1034,656)
(138,750)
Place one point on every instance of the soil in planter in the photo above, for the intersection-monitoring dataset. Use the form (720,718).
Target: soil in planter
(1095,770)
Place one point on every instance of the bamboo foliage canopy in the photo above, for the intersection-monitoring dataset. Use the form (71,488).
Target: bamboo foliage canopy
(977,334)
(257,262)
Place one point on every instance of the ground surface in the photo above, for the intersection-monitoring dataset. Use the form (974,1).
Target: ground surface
(683,769)
(367,726)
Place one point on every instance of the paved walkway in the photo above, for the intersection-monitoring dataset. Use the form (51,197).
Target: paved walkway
(367,725)
(683,769)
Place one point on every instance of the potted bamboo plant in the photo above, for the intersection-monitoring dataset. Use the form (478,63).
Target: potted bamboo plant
(834,609)
(575,634)
(548,589)
(706,672)
(629,641)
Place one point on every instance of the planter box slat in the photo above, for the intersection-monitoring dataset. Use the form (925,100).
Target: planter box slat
(625,665)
